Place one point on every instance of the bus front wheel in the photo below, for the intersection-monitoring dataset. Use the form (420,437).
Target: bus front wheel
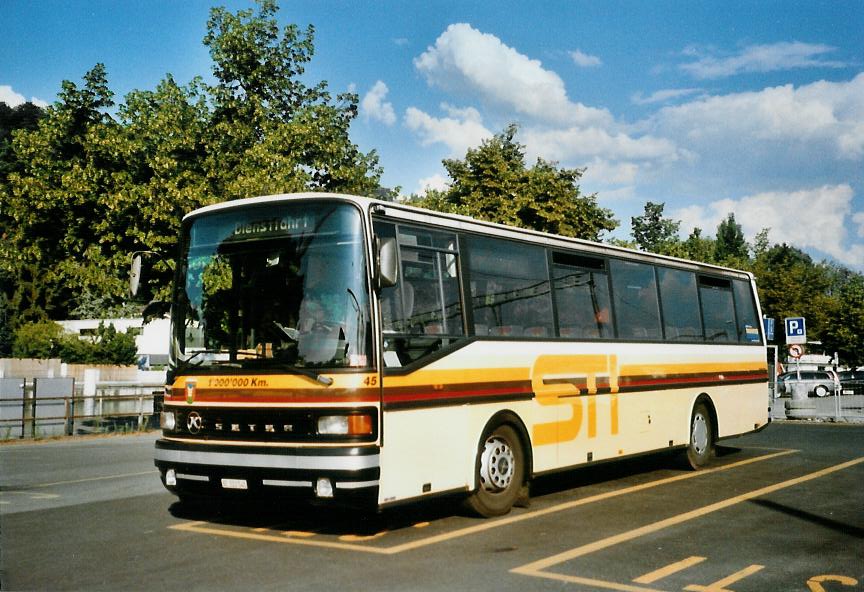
(501,473)
(700,449)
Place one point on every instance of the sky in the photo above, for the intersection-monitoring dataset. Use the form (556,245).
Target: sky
(751,108)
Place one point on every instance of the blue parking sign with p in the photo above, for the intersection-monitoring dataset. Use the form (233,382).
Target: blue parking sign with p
(796,331)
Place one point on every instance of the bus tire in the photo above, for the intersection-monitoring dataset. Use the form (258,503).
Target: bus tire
(500,473)
(700,447)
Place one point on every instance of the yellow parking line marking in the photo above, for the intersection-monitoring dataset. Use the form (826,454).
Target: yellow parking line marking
(720,585)
(303,534)
(355,538)
(659,574)
(536,568)
(594,583)
(482,527)
(815,583)
(488,525)
(200,527)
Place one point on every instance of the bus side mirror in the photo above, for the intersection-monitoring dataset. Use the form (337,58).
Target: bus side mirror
(388,262)
(135,274)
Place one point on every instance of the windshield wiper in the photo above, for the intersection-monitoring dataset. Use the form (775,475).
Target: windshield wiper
(325,380)
(187,363)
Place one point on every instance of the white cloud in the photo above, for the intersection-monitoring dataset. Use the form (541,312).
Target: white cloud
(620,194)
(581,143)
(461,130)
(13,99)
(373,106)
(585,60)
(858,219)
(435,182)
(600,172)
(808,219)
(761,58)
(466,60)
(822,117)
(400,41)
(663,96)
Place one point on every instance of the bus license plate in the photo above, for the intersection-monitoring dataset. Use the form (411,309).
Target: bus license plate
(234,484)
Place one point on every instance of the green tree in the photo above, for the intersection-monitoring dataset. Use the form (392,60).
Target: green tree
(270,132)
(53,247)
(37,340)
(25,116)
(791,285)
(95,187)
(844,333)
(655,233)
(698,247)
(493,183)
(730,247)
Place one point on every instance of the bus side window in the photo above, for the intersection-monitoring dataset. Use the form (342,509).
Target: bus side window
(391,297)
(582,296)
(510,291)
(748,324)
(422,313)
(718,309)
(678,299)
(634,293)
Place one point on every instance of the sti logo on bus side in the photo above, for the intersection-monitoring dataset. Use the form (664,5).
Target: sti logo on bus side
(561,380)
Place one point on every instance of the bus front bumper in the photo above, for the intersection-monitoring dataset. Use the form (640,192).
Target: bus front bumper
(207,469)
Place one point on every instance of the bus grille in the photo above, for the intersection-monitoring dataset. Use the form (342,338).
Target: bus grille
(253,425)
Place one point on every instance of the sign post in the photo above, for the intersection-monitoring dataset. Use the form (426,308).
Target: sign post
(768,325)
(796,331)
(796,337)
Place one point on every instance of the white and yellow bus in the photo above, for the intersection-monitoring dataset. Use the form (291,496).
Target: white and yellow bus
(345,349)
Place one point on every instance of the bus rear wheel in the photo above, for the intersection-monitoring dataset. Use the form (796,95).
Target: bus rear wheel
(501,473)
(700,448)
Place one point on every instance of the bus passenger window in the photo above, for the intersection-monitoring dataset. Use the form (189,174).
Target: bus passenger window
(582,296)
(718,309)
(679,300)
(510,292)
(634,293)
(748,323)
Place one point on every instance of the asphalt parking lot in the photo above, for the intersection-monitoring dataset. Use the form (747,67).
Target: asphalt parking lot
(778,510)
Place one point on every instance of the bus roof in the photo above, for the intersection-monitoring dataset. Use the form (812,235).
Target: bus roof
(466,223)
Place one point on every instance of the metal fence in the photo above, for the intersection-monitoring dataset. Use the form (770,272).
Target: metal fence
(49,407)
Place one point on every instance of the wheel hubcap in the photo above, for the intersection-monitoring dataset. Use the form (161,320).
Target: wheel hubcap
(497,465)
(700,434)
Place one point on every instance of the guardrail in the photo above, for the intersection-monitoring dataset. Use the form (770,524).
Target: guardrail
(48,407)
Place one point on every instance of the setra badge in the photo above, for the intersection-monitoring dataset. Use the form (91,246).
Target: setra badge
(190,391)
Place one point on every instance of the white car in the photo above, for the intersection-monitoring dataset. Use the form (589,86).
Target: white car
(819,383)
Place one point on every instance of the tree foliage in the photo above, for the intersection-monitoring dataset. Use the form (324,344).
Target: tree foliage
(655,233)
(46,339)
(25,116)
(730,246)
(493,183)
(95,181)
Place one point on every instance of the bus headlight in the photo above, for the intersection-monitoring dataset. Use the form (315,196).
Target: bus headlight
(345,425)
(168,421)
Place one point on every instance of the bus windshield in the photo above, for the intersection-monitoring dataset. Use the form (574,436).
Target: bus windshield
(273,287)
